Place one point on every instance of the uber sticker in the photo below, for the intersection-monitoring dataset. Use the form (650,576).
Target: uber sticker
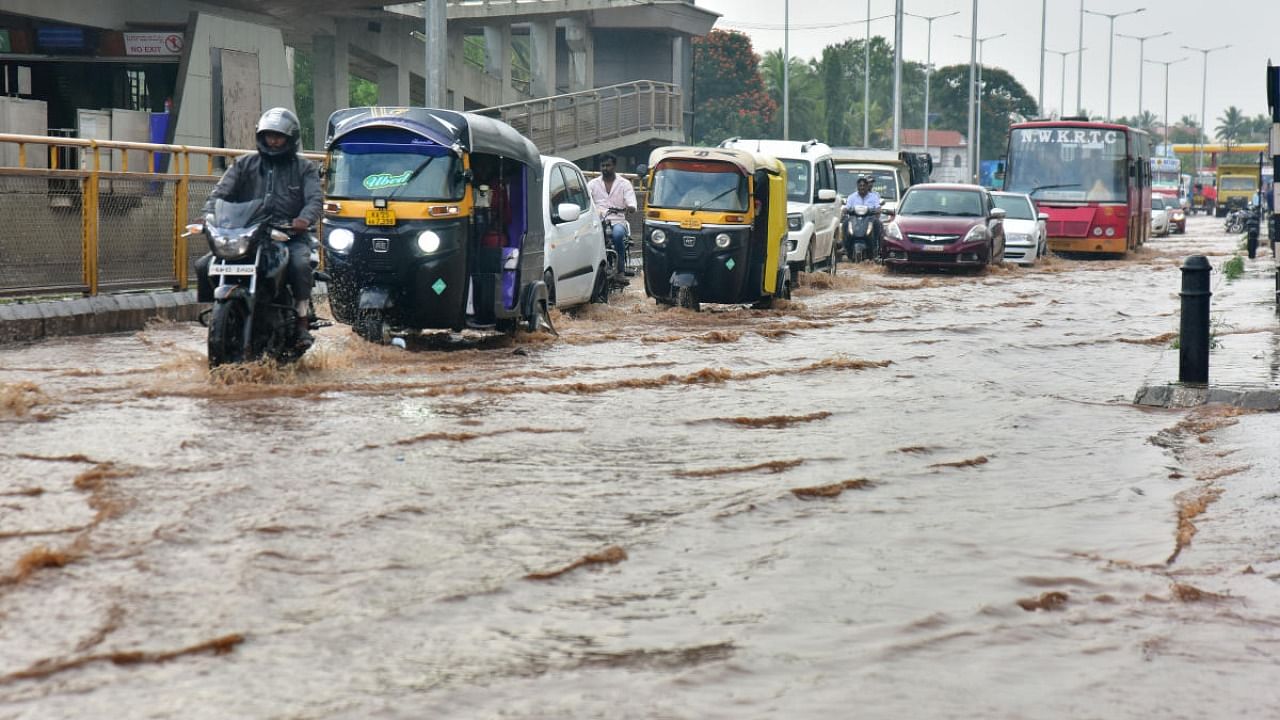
(386,180)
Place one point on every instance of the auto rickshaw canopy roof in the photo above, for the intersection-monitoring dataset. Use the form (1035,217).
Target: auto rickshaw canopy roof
(746,161)
(462,131)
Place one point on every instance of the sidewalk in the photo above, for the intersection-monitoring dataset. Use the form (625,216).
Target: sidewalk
(1244,357)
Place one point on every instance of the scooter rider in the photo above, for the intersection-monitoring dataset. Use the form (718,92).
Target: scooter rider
(611,197)
(289,187)
(870,198)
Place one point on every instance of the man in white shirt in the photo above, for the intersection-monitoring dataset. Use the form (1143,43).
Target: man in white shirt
(613,198)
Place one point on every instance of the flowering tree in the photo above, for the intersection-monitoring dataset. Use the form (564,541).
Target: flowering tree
(729,97)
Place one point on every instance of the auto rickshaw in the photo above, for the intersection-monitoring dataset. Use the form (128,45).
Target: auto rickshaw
(433,221)
(714,228)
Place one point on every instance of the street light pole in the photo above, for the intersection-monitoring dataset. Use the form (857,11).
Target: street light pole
(897,76)
(1142,42)
(786,70)
(1044,18)
(1166,64)
(978,137)
(973,83)
(1080,63)
(1204,79)
(928,66)
(1111,45)
(866,81)
(1061,103)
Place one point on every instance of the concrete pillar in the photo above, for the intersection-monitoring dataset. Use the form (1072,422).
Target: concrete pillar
(542,58)
(330,80)
(455,90)
(393,85)
(582,51)
(497,52)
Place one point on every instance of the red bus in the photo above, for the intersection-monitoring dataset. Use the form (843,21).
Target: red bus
(1093,179)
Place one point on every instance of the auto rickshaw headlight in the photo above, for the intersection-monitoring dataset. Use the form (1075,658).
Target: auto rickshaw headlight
(723,240)
(659,237)
(340,239)
(428,241)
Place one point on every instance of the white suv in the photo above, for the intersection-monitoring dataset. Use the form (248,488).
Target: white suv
(813,207)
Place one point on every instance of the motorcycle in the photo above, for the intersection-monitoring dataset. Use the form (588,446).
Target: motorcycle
(616,277)
(859,234)
(1235,221)
(253,314)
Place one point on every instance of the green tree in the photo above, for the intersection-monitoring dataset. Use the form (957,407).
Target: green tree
(841,70)
(1187,130)
(1003,100)
(729,95)
(1232,126)
(806,98)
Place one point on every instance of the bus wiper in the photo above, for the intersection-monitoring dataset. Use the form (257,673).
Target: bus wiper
(416,172)
(1037,189)
(699,206)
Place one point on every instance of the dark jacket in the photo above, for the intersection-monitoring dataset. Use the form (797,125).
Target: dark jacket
(294,184)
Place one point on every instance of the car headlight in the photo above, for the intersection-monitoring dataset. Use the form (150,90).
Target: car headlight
(795,222)
(893,231)
(230,243)
(659,237)
(723,240)
(340,239)
(977,233)
(1017,237)
(428,241)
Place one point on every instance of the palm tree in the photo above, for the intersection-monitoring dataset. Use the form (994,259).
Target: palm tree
(1232,126)
(805,90)
(1193,127)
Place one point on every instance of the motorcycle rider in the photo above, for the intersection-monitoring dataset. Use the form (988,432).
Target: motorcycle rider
(289,187)
(611,197)
(866,196)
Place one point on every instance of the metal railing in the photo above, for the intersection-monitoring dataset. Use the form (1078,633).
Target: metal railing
(55,240)
(561,123)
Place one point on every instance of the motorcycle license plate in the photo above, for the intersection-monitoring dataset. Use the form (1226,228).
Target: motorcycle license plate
(225,269)
(379,216)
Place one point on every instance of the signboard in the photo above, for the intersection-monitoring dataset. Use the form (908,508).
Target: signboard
(5,45)
(62,37)
(153,44)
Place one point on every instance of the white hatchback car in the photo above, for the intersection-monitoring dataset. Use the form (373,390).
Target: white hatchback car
(1025,236)
(1159,216)
(574,250)
(813,206)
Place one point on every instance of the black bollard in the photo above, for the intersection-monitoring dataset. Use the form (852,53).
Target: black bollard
(1193,346)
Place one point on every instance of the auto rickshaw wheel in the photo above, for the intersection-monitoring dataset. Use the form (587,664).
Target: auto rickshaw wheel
(369,325)
(688,299)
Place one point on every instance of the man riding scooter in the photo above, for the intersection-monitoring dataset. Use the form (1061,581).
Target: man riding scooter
(860,210)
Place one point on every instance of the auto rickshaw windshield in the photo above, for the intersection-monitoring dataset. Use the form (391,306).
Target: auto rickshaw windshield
(409,171)
(703,185)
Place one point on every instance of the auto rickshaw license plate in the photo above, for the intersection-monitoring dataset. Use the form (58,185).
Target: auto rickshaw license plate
(379,216)
(691,224)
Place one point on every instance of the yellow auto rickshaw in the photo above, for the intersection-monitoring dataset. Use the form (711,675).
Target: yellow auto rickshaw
(715,227)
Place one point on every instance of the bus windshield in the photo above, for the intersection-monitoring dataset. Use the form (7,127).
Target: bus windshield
(1070,163)
(366,170)
(699,184)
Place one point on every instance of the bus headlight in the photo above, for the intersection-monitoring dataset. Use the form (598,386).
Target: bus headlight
(1097,231)
(1111,232)
(428,241)
(340,239)
(723,240)
(659,237)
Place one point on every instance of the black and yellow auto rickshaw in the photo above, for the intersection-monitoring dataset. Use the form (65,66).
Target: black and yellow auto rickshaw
(433,221)
(714,228)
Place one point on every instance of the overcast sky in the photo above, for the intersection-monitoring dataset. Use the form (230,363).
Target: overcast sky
(1236,74)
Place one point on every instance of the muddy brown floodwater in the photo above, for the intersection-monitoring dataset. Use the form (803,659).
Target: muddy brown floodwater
(898,496)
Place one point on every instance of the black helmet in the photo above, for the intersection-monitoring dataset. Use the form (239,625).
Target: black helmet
(283,121)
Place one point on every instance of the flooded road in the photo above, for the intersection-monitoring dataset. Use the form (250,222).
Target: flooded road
(897,496)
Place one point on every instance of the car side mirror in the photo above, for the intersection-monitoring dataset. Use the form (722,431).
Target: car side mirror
(1042,216)
(826,195)
(889,209)
(568,212)
(998,213)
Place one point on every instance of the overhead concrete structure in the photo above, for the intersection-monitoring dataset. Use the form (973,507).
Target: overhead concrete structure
(111,53)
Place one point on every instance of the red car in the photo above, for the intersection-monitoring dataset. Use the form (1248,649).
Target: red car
(944,225)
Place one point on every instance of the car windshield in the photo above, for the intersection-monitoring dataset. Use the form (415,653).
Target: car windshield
(882,182)
(1016,207)
(407,171)
(937,201)
(1068,164)
(699,184)
(799,181)
(1157,203)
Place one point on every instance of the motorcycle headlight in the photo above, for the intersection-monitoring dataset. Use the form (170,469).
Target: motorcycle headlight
(723,240)
(340,239)
(795,222)
(892,230)
(230,243)
(976,233)
(428,241)
(659,237)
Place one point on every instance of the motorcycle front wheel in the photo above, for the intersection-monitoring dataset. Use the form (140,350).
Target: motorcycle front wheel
(226,334)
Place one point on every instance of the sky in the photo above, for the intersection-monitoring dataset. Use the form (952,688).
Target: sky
(1236,75)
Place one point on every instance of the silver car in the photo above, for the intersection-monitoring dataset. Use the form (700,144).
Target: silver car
(1025,237)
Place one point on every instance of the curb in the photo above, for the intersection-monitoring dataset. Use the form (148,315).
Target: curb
(26,322)
(1187,396)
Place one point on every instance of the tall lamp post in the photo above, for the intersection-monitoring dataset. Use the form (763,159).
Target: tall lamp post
(928,66)
(1166,64)
(786,70)
(977,140)
(866,76)
(1062,102)
(1204,78)
(1111,45)
(1142,42)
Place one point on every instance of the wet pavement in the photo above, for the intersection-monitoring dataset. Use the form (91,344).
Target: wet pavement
(896,496)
